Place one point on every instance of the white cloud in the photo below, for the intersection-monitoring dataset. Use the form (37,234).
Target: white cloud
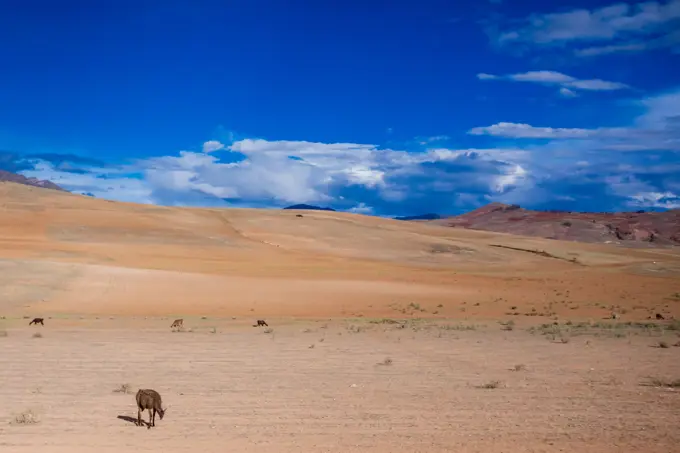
(619,27)
(97,181)
(514,177)
(550,78)
(211,146)
(658,128)
(665,200)
(361,208)
(670,40)
(433,139)
(540,77)
(567,93)
(579,163)
(522,130)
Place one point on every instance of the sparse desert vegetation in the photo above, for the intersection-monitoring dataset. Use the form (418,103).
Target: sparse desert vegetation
(490,385)
(662,382)
(418,373)
(123,388)
(27,417)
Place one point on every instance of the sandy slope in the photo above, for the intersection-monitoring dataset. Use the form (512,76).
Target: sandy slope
(62,253)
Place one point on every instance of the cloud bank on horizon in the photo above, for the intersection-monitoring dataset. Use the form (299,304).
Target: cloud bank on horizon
(623,155)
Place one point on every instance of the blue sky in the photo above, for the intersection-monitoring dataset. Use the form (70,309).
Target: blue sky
(387,108)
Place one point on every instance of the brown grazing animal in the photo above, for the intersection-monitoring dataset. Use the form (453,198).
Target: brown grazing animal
(149,399)
(261,322)
(37,321)
(178,323)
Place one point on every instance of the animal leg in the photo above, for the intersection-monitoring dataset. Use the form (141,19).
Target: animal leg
(139,417)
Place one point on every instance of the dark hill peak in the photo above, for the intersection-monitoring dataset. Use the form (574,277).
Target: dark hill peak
(309,207)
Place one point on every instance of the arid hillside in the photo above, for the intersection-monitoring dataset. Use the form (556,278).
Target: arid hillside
(641,229)
(65,253)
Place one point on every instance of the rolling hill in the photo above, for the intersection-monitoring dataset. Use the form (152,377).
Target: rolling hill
(629,228)
(66,253)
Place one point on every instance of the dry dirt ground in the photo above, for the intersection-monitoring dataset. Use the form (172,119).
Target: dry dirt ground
(109,278)
(339,386)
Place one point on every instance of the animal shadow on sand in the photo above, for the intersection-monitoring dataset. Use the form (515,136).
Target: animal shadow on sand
(132,420)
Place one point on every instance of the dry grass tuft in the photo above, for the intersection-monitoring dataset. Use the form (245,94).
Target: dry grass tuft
(509,325)
(490,385)
(268,330)
(124,388)
(37,335)
(355,329)
(386,362)
(519,367)
(660,382)
(662,345)
(26,418)
(458,327)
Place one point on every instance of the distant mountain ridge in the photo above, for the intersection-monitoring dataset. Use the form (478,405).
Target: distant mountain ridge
(35,182)
(639,227)
(309,207)
(430,216)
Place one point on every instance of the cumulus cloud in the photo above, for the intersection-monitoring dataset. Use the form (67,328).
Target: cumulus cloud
(548,167)
(359,178)
(211,146)
(361,208)
(552,78)
(619,27)
(665,200)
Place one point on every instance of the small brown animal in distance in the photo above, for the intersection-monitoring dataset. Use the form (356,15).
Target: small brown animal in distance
(37,321)
(261,322)
(178,323)
(150,400)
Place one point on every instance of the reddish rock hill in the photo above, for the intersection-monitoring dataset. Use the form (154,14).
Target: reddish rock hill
(19,179)
(629,228)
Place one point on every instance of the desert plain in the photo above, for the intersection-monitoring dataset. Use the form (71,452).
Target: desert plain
(384,335)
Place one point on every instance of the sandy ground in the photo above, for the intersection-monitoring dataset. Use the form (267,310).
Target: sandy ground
(109,278)
(325,387)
